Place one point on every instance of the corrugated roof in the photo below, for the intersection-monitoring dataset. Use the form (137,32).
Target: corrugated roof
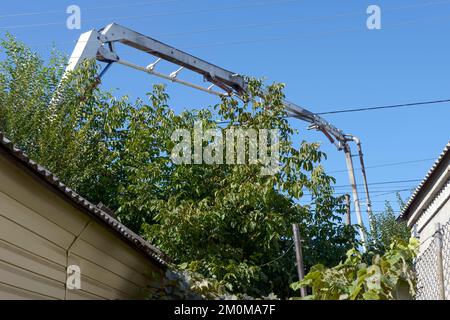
(128,235)
(422,183)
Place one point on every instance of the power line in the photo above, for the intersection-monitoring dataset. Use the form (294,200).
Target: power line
(380,188)
(249,26)
(404,105)
(389,192)
(278,258)
(317,34)
(378,193)
(209,45)
(226,28)
(381,183)
(417,5)
(394,181)
(36,13)
(374,194)
(392,164)
(212,10)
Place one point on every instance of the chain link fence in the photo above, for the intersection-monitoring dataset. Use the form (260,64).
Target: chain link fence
(433,267)
(446,259)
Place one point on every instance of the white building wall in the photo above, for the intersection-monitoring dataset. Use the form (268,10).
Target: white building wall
(438,212)
(431,220)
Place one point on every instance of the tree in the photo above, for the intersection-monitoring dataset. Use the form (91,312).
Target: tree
(78,139)
(386,229)
(229,222)
(224,222)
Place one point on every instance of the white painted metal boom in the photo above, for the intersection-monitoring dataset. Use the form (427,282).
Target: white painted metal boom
(101,46)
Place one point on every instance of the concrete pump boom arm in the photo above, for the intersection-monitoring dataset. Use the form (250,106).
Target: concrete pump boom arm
(101,46)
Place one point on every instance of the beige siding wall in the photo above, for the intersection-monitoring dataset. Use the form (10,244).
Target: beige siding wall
(41,234)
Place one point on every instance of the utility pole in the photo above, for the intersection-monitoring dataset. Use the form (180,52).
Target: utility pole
(299,256)
(352,179)
(348,210)
(366,187)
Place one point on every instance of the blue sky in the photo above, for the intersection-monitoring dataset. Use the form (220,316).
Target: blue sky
(321,50)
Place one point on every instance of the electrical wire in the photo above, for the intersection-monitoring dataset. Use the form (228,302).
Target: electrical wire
(301,35)
(222,28)
(381,183)
(392,164)
(18,14)
(388,192)
(36,13)
(157,14)
(280,257)
(226,28)
(377,193)
(404,105)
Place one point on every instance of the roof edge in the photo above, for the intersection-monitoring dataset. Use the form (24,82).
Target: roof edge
(405,213)
(116,226)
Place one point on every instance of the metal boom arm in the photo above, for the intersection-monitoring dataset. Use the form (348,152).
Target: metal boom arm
(100,45)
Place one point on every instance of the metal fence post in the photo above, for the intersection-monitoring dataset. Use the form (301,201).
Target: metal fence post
(440,263)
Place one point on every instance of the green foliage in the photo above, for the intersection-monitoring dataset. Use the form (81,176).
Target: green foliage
(230,223)
(227,223)
(386,228)
(355,280)
(186,285)
(76,139)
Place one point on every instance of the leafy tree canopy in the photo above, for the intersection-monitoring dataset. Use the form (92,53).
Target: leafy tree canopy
(225,222)
(386,229)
